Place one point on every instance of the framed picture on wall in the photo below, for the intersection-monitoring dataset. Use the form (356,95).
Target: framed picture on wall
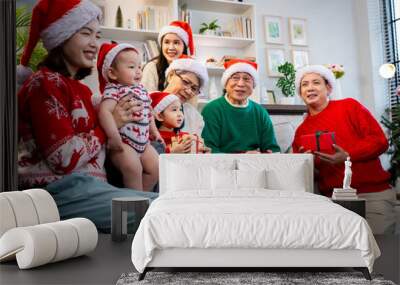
(299,58)
(273,29)
(298,31)
(271,97)
(275,57)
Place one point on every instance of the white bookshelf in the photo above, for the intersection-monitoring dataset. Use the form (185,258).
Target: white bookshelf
(207,46)
(124,34)
(218,6)
(218,41)
(215,70)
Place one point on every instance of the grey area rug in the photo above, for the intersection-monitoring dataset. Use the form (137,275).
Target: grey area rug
(243,278)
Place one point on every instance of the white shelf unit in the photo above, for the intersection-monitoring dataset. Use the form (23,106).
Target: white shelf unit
(124,34)
(202,11)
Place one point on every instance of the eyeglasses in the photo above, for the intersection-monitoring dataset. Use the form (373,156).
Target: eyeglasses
(246,78)
(193,87)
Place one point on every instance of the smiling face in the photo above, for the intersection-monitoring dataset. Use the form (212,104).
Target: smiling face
(239,87)
(80,50)
(126,68)
(183,84)
(172,46)
(314,91)
(172,116)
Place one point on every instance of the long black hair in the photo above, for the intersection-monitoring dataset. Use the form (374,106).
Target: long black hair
(55,61)
(162,64)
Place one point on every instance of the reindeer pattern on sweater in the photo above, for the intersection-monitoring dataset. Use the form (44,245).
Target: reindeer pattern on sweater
(58,130)
(134,134)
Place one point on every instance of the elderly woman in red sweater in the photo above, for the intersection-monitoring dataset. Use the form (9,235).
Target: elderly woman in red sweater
(357,135)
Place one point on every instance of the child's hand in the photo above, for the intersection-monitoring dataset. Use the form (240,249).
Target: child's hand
(183,146)
(115,144)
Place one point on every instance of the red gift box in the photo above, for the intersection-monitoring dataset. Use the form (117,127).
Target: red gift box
(321,141)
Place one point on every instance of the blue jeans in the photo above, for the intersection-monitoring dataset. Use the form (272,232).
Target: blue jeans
(79,195)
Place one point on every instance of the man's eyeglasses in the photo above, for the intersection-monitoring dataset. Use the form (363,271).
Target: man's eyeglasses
(246,78)
(193,87)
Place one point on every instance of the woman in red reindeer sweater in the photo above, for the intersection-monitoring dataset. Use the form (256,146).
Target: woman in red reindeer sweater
(61,145)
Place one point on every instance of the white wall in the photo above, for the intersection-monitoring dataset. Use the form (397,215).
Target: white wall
(346,32)
(331,36)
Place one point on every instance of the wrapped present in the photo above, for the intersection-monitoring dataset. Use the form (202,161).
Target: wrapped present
(196,141)
(321,141)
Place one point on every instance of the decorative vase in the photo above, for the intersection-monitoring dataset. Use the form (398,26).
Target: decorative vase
(118,18)
(337,95)
(287,100)
(210,33)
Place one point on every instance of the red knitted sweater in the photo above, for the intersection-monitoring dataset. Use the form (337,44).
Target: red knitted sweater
(358,133)
(58,130)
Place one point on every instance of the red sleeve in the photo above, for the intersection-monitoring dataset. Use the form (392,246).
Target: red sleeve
(63,148)
(373,141)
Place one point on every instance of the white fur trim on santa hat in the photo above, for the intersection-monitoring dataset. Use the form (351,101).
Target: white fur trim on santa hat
(319,69)
(239,67)
(165,102)
(173,30)
(191,65)
(108,60)
(62,29)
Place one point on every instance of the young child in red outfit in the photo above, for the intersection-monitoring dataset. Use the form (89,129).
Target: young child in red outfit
(169,118)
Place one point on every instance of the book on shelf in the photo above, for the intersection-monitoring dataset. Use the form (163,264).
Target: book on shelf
(151,18)
(152,48)
(243,27)
(185,15)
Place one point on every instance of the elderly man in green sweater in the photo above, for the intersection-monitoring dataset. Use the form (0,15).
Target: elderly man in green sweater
(233,123)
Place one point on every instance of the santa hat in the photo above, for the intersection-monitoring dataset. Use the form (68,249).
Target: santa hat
(183,30)
(107,54)
(187,63)
(161,100)
(239,65)
(55,22)
(325,72)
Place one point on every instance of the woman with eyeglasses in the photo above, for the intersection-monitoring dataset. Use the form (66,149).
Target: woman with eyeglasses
(233,123)
(186,78)
(174,39)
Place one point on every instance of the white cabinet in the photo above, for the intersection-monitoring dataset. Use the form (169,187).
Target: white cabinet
(228,13)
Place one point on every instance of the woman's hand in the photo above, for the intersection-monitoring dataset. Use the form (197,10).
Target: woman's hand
(339,156)
(127,110)
(114,144)
(202,148)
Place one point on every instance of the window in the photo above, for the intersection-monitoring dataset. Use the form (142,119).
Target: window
(391,30)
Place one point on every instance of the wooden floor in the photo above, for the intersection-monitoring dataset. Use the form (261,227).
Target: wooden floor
(111,259)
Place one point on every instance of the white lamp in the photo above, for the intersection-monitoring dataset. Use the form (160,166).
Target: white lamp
(387,70)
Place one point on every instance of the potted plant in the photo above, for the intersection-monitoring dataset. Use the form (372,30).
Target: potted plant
(209,29)
(286,82)
(391,120)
